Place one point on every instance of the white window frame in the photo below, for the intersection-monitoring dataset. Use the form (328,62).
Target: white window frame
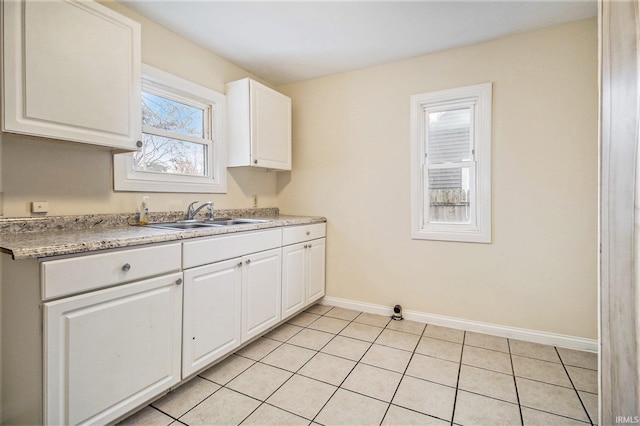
(479,98)
(159,82)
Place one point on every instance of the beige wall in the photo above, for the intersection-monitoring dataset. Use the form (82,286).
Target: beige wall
(351,164)
(77,179)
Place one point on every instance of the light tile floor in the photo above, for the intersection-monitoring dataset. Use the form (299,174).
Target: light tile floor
(333,366)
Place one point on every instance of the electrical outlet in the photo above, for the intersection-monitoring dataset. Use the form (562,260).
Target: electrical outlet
(255,201)
(39,206)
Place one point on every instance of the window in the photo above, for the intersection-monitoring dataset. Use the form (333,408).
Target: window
(451,164)
(182,139)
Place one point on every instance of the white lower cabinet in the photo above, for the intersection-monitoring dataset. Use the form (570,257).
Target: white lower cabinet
(228,302)
(109,351)
(293,278)
(303,268)
(212,301)
(261,277)
(316,255)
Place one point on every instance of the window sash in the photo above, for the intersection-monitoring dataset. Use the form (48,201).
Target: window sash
(427,219)
(207,158)
(448,107)
(157,89)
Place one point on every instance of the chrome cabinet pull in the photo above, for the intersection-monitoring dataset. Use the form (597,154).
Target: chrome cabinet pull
(239,265)
(139,144)
(179,281)
(126,267)
(248,261)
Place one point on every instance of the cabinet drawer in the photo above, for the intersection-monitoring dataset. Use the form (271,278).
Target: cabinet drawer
(196,253)
(296,234)
(77,274)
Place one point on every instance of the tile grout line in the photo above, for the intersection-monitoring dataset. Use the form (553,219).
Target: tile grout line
(167,414)
(192,408)
(515,383)
(455,397)
(574,387)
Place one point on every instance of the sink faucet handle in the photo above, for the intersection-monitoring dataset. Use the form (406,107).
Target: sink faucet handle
(190,209)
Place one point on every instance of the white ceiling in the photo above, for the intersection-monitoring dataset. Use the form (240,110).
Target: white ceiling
(287,41)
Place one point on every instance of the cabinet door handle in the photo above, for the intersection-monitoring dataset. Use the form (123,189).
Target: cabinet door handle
(126,267)
(255,161)
(305,246)
(248,261)
(179,281)
(308,232)
(309,245)
(139,144)
(239,265)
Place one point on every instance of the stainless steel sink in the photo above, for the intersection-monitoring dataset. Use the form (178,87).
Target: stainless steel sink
(226,222)
(183,225)
(186,225)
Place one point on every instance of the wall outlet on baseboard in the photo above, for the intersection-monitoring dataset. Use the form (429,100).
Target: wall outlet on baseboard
(39,206)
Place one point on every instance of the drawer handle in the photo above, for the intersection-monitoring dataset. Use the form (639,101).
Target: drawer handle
(309,245)
(308,232)
(126,267)
(239,264)
(179,281)
(306,246)
(248,261)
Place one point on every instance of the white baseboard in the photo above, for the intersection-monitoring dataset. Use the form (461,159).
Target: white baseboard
(534,336)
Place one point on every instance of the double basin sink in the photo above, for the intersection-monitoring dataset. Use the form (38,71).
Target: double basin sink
(199,224)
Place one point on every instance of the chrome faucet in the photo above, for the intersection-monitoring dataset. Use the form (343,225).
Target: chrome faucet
(191,213)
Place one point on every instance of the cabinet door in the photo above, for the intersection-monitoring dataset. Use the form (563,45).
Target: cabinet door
(293,278)
(212,306)
(261,292)
(109,351)
(315,269)
(270,128)
(71,72)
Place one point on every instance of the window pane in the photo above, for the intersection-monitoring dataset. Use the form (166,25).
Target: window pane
(166,155)
(449,195)
(449,136)
(167,114)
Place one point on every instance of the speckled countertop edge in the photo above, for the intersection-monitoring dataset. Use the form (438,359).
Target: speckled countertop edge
(28,238)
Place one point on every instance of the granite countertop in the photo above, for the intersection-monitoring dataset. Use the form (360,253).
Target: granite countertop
(26,238)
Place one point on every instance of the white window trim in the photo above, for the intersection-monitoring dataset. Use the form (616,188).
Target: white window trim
(480,229)
(125,178)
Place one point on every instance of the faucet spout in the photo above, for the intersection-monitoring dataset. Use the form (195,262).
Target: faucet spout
(191,213)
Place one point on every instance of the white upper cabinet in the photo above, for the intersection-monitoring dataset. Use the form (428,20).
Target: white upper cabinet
(259,126)
(71,72)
